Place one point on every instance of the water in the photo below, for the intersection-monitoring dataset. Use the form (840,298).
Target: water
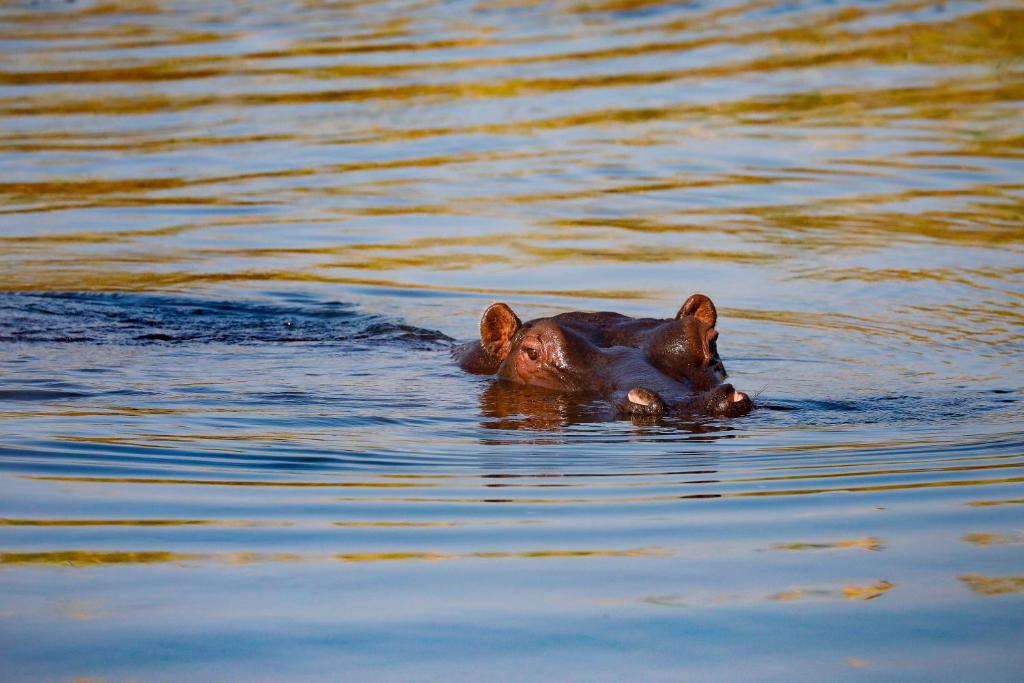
(238,239)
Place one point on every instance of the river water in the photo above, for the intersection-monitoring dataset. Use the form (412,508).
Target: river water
(237,240)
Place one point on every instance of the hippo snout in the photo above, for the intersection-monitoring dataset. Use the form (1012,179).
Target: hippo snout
(728,402)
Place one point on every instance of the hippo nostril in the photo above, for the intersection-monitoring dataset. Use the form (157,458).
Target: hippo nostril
(639,397)
(643,401)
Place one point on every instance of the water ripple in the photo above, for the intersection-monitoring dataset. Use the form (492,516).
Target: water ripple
(238,238)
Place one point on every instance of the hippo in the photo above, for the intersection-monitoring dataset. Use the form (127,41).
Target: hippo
(645,367)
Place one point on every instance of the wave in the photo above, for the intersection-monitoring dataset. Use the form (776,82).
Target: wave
(151,319)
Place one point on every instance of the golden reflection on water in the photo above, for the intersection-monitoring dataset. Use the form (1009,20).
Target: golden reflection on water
(101,522)
(233,523)
(847,592)
(987,539)
(90,558)
(992,503)
(873,544)
(958,115)
(81,558)
(994,585)
(981,37)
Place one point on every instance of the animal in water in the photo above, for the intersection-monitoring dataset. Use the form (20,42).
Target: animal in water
(642,366)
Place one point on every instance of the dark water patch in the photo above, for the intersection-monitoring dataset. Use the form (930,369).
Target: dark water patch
(907,410)
(38,394)
(783,407)
(140,319)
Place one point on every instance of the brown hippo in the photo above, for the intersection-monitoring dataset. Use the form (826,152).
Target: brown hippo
(644,366)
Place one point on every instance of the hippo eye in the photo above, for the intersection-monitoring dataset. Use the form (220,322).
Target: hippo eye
(531,352)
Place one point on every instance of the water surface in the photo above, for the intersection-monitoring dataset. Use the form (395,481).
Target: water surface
(238,239)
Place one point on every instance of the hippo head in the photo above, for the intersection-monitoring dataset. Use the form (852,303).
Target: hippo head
(686,348)
(541,353)
(644,366)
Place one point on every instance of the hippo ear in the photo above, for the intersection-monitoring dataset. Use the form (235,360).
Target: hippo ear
(700,307)
(497,327)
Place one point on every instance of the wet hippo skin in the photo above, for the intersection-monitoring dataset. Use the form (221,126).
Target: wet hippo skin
(643,366)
